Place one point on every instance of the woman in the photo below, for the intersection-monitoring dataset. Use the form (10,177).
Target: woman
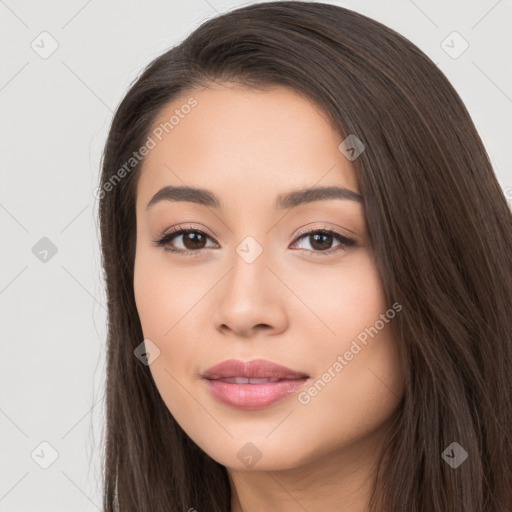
(307,260)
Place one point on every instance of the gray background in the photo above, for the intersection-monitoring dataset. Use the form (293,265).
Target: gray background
(55,113)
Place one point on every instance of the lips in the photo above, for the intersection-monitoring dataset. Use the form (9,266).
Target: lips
(252,370)
(252,385)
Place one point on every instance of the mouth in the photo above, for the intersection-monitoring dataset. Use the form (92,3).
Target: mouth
(251,370)
(252,385)
(245,380)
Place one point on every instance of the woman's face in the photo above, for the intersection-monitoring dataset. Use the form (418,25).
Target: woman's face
(262,281)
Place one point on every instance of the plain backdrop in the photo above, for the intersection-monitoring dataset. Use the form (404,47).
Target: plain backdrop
(55,112)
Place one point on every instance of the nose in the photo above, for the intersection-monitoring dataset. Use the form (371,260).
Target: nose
(250,299)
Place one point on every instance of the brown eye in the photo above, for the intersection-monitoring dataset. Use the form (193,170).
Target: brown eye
(321,240)
(193,240)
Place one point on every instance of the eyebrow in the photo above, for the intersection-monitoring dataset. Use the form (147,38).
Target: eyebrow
(283,201)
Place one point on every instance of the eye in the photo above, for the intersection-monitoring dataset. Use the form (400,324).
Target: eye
(194,240)
(321,240)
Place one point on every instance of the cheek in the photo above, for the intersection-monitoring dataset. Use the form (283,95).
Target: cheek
(162,299)
(162,295)
(359,391)
(358,362)
(165,300)
(345,300)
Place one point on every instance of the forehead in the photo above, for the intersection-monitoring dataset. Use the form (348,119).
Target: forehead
(244,143)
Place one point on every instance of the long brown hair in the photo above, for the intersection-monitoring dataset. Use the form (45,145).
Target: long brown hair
(439,226)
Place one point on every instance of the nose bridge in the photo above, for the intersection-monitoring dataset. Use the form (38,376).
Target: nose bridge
(249,263)
(250,250)
(248,295)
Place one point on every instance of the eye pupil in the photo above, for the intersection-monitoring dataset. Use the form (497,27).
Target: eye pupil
(321,247)
(193,237)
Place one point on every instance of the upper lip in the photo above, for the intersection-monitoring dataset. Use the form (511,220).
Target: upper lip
(257,368)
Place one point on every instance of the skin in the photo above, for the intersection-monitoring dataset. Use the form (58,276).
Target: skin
(293,305)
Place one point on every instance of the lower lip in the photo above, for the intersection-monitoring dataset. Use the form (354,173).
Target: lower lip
(253,396)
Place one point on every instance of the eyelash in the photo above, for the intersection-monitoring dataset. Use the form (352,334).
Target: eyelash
(174,232)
